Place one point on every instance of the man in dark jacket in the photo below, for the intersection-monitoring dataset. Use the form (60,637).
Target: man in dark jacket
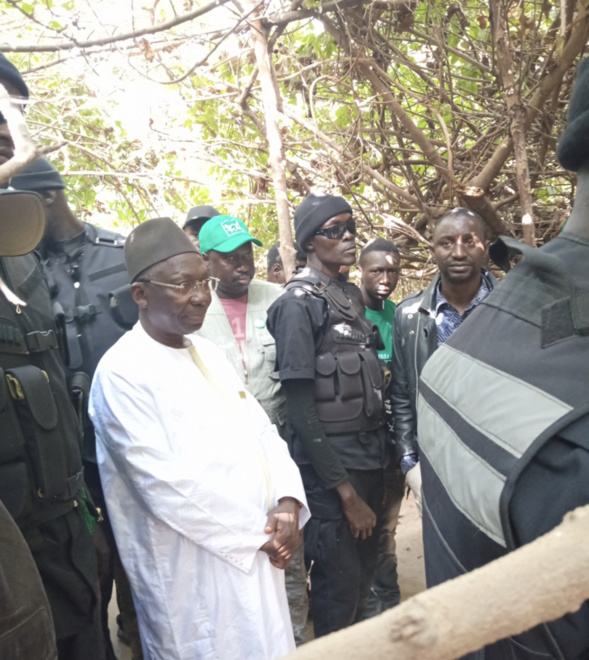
(41,476)
(85,267)
(504,415)
(423,321)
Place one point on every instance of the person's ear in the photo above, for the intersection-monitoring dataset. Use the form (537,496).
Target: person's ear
(309,247)
(138,293)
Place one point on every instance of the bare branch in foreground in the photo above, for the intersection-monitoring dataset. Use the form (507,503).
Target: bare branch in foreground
(24,148)
(70,45)
(504,598)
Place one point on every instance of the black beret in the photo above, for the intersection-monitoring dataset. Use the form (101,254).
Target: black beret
(12,75)
(154,241)
(39,175)
(573,147)
(313,212)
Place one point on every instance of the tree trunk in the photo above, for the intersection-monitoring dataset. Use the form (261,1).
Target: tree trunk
(539,582)
(259,38)
(574,46)
(518,116)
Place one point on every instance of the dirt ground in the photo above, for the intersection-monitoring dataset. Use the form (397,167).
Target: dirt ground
(410,550)
(409,554)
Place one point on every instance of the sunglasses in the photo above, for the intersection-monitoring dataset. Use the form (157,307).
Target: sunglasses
(338,231)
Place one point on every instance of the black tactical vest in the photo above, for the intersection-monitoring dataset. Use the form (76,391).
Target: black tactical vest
(348,376)
(508,381)
(85,279)
(40,464)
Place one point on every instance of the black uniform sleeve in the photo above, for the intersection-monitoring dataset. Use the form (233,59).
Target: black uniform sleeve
(554,483)
(302,416)
(297,321)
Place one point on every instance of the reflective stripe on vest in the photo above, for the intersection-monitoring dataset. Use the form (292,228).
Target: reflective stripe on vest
(477,430)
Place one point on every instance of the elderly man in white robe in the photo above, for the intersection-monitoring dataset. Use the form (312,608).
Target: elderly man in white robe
(204,499)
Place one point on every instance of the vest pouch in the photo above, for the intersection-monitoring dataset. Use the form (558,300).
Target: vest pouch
(372,378)
(12,445)
(74,349)
(325,368)
(268,348)
(349,380)
(37,413)
(329,380)
(14,480)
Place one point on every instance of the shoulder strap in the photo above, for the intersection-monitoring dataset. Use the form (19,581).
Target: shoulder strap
(308,283)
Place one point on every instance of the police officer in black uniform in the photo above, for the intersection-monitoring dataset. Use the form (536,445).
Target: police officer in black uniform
(504,415)
(329,367)
(86,272)
(41,476)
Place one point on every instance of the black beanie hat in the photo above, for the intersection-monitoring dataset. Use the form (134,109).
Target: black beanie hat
(202,212)
(573,147)
(39,175)
(153,241)
(11,74)
(313,212)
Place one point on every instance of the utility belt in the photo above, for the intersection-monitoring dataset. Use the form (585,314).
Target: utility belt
(34,480)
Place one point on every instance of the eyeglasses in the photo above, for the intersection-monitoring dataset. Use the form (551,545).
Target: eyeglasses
(185,288)
(338,231)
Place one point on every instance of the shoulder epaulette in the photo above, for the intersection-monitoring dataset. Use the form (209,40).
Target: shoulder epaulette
(105,237)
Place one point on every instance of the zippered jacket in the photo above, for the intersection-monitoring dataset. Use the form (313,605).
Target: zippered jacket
(414,341)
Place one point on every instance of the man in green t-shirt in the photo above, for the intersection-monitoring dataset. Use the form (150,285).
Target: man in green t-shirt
(379,267)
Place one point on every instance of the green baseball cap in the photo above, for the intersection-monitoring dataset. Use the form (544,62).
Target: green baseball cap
(224,233)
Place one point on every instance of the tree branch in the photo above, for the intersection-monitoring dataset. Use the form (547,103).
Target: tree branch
(365,168)
(316,12)
(270,100)
(70,45)
(371,72)
(501,599)
(572,49)
(518,114)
